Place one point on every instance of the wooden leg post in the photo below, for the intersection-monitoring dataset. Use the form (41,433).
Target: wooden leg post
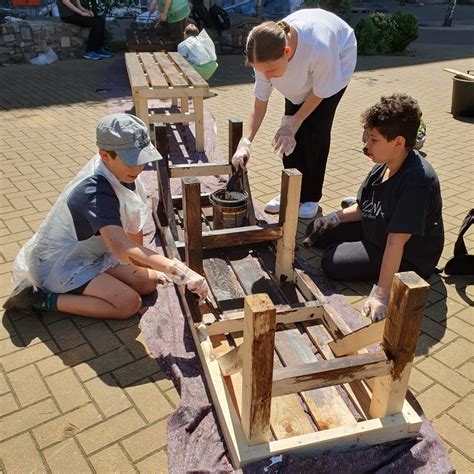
(289,202)
(402,326)
(192,222)
(257,370)
(235,134)
(199,122)
(141,109)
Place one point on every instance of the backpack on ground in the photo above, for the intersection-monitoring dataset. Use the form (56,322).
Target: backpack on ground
(219,17)
(462,263)
(200,15)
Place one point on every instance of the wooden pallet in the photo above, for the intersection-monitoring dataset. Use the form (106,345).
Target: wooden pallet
(285,371)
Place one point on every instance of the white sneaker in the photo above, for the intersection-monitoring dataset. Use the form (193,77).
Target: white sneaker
(273,206)
(308,210)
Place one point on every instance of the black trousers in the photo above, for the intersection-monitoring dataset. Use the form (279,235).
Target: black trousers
(348,256)
(313,140)
(97,26)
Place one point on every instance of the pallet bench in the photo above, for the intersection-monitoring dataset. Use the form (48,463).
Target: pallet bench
(146,39)
(276,354)
(167,76)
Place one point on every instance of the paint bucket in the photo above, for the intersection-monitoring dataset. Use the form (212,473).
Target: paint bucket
(229,208)
(462,102)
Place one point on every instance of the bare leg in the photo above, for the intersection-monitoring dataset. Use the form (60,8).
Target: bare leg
(114,294)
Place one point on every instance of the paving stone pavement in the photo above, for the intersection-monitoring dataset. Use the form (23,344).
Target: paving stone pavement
(80,395)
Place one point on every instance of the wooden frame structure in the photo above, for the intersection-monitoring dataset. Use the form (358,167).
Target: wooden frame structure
(263,377)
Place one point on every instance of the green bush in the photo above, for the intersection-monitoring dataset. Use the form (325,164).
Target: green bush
(341,7)
(386,34)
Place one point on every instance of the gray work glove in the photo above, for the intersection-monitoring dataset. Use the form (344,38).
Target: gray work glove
(376,305)
(322,224)
(242,154)
(183,275)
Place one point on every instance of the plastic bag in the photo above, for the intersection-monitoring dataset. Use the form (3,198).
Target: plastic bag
(198,49)
(48,57)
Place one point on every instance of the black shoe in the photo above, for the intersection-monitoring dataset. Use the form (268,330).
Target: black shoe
(25,298)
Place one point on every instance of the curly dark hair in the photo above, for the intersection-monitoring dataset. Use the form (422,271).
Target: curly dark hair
(393,116)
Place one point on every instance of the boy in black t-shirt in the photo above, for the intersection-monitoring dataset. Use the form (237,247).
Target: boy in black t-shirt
(396,224)
(87,257)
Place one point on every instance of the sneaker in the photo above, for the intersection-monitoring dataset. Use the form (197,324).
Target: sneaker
(308,210)
(92,55)
(348,202)
(103,53)
(23,297)
(273,206)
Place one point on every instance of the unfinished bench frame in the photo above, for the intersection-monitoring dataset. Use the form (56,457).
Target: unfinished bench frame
(245,381)
(167,76)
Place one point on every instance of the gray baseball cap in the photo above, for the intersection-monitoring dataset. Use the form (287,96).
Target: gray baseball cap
(128,136)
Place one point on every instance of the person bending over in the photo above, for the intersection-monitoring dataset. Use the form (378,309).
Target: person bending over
(87,257)
(199,50)
(396,224)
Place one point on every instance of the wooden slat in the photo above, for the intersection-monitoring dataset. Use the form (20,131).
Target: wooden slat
(155,76)
(199,169)
(135,72)
(192,223)
(325,404)
(402,326)
(257,370)
(359,339)
(177,200)
(286,314)
(241,236)
(357,391)
(223,284)
(175,79)
(253,279)
(329,372)
(193,76)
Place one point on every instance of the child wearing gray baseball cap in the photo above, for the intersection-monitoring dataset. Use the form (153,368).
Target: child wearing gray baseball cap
(87,257)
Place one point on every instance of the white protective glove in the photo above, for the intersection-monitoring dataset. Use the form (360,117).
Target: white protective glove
(322,224)
(242,154)
(183,275)
(376,305)
(284,141)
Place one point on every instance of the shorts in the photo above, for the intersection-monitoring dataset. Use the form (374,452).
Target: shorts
(78,291)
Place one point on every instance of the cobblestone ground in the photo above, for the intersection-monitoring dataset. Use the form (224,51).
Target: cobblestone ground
(81,395)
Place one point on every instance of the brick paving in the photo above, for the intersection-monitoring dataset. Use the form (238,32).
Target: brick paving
(80,395)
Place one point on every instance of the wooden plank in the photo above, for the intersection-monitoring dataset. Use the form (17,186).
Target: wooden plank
(199,169)
(359,339)
(135,72)
(172,74)
(192,223)
(223,284)
(357,391)
(286,314)
(325,404)
(220,238)
(257,370)
(288,219)
(192,75)
(405,311)
(253,279)
(155,76)
(169,117)
(329,372)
